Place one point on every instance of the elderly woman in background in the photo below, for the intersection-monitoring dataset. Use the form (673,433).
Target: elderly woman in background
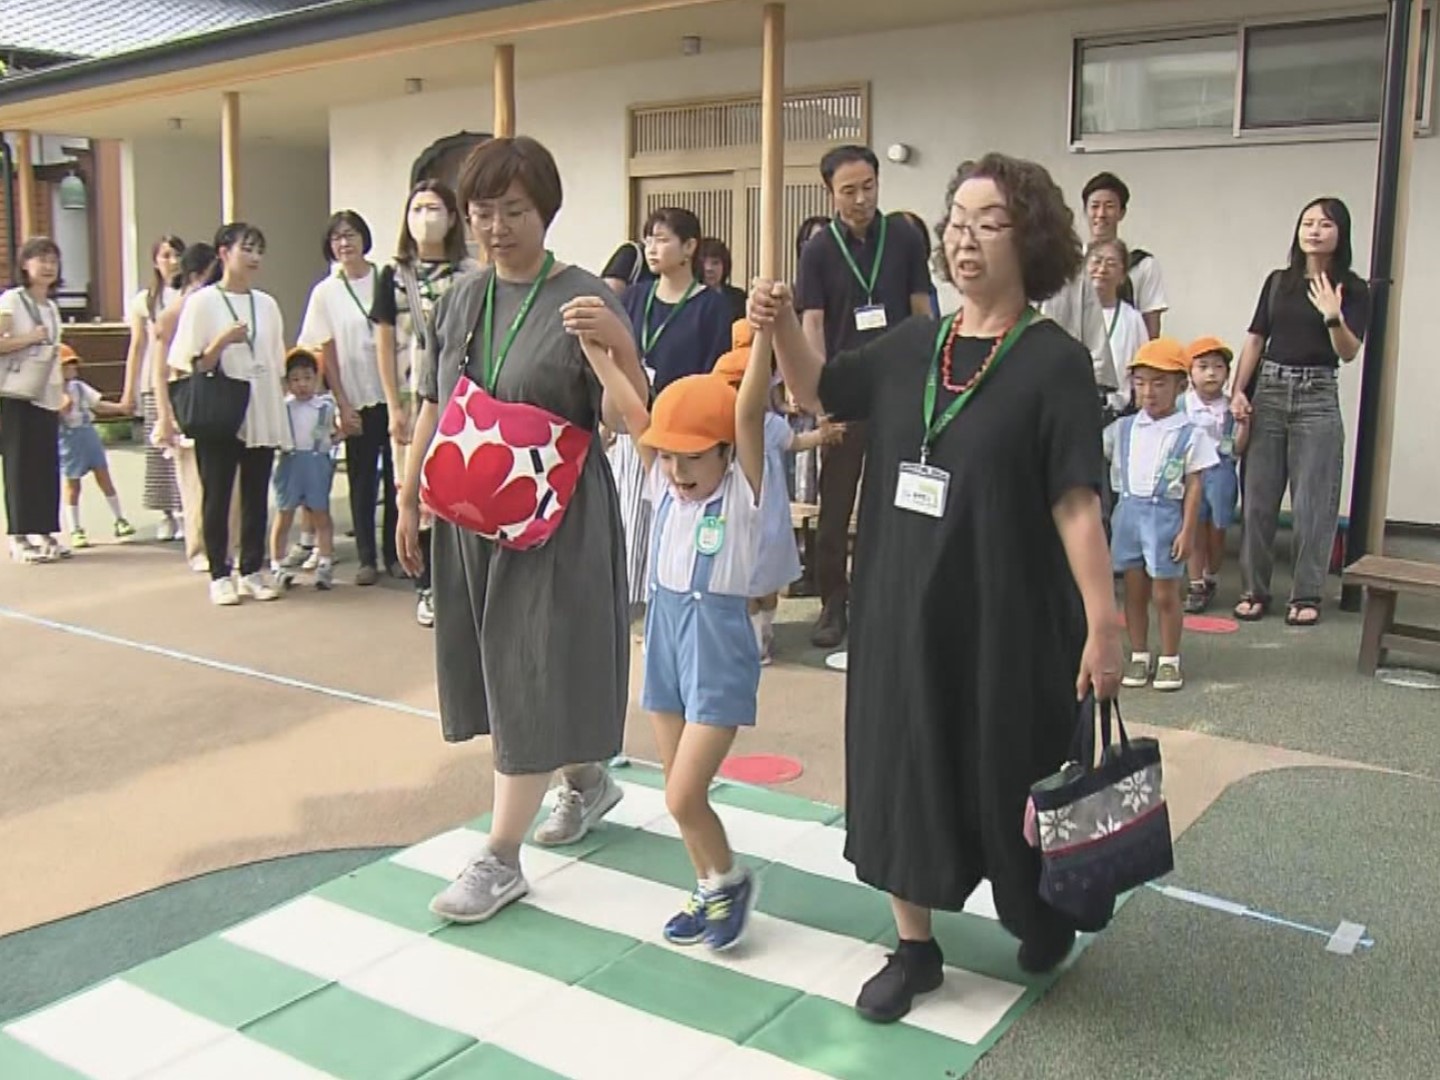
(984,607)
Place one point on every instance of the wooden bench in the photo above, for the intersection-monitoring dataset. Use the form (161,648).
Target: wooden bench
(1384,580)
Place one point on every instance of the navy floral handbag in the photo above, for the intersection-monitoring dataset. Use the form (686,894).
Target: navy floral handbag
(1103,828)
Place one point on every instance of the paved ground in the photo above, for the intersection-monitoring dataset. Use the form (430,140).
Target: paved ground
(124,769)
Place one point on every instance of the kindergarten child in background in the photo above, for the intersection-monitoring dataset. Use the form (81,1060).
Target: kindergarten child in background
(1157,458)
(81,449)
(1207,404)
(703,453)
(778,562)
(304,475)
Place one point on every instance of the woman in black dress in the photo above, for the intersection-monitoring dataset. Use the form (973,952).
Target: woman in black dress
(983,598)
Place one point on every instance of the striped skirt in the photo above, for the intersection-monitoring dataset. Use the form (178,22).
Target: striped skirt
(162,491)
(629,473)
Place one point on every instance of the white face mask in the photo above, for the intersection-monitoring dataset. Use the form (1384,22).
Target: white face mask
(428,225)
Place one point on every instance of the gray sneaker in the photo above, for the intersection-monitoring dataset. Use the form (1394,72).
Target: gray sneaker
(1137,673)
(576,811)
(1168,677)
(296,556)
(483,888)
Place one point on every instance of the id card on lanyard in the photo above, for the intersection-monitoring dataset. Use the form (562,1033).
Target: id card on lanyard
(870,315)
(921,488)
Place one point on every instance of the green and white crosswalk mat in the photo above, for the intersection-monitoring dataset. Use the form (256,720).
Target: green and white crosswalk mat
(358,981)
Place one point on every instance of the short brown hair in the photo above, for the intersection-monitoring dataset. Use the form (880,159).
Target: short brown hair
(493,166)
(37,247)
(1043,224)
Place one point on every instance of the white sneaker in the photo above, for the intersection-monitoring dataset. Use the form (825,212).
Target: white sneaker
(200,564)
(312,561)
(425,608)
(1167,674)
(257,586)
(222,592)
(165,531)
(296,556)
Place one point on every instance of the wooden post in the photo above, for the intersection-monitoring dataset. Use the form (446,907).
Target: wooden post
(504,91)
(772,140)
(1385,419)
(25,172)
(229,156)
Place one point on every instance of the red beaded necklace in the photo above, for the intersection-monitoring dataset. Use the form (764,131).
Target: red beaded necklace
(946,357)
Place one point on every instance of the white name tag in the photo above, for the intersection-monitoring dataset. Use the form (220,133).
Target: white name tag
(922,489)
(870,317)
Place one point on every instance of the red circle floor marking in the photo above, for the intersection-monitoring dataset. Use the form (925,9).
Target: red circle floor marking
(761,768)
(1211,624)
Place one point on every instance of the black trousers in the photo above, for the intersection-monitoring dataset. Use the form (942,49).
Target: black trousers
(219,460)
(30,443)
(370,468)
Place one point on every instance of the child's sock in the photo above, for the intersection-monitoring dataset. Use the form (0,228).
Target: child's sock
(113,501)
(728,880)
(72,515)
(326,561)
(1140,658)
(276,567)
(757,624)
(307,540)
(1170,660)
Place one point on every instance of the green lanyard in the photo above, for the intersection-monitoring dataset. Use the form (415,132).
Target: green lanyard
(1110,330)
(490,364)
(253,326)
(648,340)
(868,284)
(934,426)
(349,289)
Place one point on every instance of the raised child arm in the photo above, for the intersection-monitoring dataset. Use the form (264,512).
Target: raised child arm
(750,407)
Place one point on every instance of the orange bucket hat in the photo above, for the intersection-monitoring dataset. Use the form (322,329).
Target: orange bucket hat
(68,355)
(691,415)
(731,366)
(1202,345)
(1161,354)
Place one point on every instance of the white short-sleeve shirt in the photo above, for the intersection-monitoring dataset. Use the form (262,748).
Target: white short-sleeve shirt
(83,399)
(1151,444)
(339,311)
(23,320)
(1148,284)
(675,553)
(260,361)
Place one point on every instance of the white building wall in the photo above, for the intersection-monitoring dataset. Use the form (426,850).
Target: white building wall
(174,186)
(1218,218)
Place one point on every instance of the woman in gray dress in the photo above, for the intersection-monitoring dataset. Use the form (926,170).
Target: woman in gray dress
(531,647)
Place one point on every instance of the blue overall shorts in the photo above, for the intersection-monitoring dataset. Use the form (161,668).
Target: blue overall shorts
(1222,482)
(1145,527)
(701,658)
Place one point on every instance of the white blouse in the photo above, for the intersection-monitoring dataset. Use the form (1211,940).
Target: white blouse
(259,361)
(140,306)
(16,304)
(342,315)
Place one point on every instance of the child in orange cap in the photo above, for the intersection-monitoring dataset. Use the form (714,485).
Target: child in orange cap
(703,450)
(778,563)
(1207,403)
(1157,457)
(82,451)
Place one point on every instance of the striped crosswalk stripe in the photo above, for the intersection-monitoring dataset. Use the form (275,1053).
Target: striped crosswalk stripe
(358,980)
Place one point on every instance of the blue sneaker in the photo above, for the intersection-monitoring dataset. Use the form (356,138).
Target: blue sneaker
(727,913)
(688,927)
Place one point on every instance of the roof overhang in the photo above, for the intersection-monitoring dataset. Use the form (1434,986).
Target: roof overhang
(292,69)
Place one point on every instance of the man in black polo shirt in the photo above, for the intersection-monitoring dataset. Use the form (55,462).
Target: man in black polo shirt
(857,279)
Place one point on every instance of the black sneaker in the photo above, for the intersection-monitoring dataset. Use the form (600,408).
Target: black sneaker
(832,626)
(1045,952)
(916,967)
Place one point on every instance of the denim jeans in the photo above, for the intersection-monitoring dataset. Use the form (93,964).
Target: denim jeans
(1297,439)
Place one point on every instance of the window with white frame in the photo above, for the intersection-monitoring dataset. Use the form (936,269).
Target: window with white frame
(1310,76)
